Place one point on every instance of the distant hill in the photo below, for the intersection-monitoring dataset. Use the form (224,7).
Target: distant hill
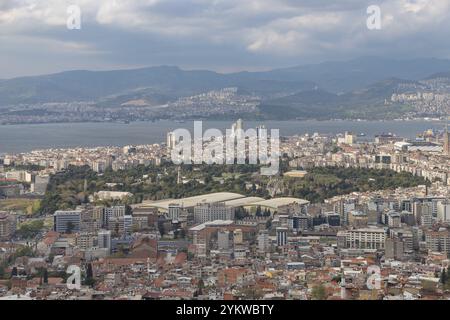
(321,104)
(439,75)
(345,76)
(171,82)
(355,88)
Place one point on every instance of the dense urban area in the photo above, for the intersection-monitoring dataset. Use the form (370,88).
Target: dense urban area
(347,217)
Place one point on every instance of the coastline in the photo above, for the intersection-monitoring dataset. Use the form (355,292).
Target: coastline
(28,137)
(214,120)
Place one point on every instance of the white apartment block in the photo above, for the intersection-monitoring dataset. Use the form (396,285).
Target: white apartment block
(443,211)
(212,211)
(365,238)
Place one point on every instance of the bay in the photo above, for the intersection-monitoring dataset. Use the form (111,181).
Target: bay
(27,137)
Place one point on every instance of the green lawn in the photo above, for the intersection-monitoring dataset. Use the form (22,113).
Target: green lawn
(27,206)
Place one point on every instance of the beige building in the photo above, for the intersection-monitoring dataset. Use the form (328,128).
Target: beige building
(438,241)
(7,226)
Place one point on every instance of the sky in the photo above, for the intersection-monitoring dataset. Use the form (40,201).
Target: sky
(220,35)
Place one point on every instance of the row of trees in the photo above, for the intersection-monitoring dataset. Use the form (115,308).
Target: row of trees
(445,278)
(323,183)
(72,187)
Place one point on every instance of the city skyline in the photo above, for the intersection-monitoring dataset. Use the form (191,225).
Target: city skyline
(234,151)
(347,218)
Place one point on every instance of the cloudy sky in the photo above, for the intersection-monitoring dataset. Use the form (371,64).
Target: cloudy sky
(221,35)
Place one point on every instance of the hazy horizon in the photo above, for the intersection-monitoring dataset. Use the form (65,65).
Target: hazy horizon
(127,68)
(223,36)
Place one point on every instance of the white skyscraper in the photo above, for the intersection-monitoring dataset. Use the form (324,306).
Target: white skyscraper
(258,130)
(263,241)
(281,236)
(171,140)
(238,125)
(223,240)
(174,211)
(443,211)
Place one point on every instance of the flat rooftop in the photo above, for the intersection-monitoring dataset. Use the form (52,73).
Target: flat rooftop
(192,201)
(279,202)
(229,198)
(215,223)
(243,201)
(296,173)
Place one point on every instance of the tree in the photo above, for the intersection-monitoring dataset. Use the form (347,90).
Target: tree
(318,292)
(443,276)
(31,229)
(45,276)
(89,275)
(200,285)
(446,279)
(23,251)
(128,210)
(161,228)
(70,227)
(14,272)
(240,213)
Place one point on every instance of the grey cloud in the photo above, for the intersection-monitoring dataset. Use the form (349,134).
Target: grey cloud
(221,34)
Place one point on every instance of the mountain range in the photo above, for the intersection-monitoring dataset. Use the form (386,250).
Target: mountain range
(354,88)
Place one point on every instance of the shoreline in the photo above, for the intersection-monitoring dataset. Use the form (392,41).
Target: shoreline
(22,138)
(426,119)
